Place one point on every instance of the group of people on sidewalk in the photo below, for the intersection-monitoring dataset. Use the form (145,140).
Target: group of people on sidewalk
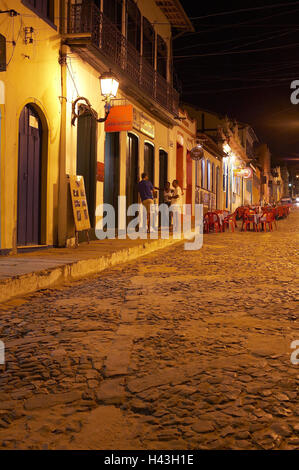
(171,196)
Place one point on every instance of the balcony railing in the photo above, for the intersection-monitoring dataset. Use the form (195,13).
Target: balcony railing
(87,18)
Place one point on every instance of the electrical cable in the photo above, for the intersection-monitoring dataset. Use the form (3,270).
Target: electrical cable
(231,12)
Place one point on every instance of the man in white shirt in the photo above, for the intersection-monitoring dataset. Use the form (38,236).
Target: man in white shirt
(177,196)
(177,205)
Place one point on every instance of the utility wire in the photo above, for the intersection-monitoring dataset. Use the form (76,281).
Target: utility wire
(15,42)
(232,12)
(246,23)
(218,90)
(245,51)
(217,43)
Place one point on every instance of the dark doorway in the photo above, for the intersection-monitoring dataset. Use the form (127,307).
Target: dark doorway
(163,173)
(132,171)
(217,187)
(111,178)
(29,178)
(87,160)
(189,179)
(149,161)
(180,164)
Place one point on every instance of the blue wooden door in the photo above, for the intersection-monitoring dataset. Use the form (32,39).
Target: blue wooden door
(29,178)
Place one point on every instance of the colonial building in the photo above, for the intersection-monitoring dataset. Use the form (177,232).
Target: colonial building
(276,185)
(184,169)
(55,52)
(264,158)
(285,181)
(236,142)
(31,100)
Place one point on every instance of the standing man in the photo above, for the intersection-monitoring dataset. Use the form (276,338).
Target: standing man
(177,196)
(146,192)
(177,204)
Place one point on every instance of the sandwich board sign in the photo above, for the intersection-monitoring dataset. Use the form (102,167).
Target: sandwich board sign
(79,203)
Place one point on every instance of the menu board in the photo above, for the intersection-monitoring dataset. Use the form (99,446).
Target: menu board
(79,203)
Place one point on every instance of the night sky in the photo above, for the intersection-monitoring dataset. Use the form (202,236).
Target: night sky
(253,87)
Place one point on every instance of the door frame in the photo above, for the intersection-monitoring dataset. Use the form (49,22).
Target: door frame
(161,150)
(137,166)
(93,205)
(42,114)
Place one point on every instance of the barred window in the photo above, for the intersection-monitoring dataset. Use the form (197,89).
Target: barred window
(113,10)
(43,8)
(148,42)
(161,56)
(133,24)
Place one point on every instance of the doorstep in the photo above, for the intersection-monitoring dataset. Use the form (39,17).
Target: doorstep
(28,272)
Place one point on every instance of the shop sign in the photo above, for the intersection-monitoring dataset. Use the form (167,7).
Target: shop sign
(197,153)
(244,172)
(119,119)
(100,172)
(143,124)
(2,53)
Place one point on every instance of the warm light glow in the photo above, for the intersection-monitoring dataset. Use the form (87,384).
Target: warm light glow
(109,84)
(227,148)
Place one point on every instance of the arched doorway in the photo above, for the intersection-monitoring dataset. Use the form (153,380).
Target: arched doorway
(163,173)
(87,161)
(132,172)
(30,198)
(189,179)
(180,164)
(149,161)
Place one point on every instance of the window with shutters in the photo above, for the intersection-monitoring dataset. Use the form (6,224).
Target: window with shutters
(161,56)
(133,24)
(148,42)
(203,179)
(2,53)
(43,8)
(113,10)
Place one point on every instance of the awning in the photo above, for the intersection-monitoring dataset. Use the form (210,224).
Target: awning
(176,15)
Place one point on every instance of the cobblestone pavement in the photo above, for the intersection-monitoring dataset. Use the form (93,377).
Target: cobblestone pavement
(177,350)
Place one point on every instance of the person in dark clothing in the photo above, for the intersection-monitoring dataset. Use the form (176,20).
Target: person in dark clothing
(146,192)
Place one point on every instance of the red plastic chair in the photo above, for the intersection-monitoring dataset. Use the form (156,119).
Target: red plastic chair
(269,219)
(212,222)
(248,218)
(230,221)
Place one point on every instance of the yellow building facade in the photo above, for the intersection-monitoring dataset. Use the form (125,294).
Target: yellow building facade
(55,52)
(31,82)
(235,143)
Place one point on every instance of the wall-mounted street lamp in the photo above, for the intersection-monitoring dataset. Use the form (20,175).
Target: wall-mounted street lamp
(109,86)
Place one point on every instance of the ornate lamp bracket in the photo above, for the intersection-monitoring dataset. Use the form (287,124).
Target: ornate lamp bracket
(87,110)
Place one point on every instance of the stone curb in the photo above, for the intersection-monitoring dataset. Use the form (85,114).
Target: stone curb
(28,283)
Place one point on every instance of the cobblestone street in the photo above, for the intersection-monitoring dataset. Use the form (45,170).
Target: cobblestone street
(177,350)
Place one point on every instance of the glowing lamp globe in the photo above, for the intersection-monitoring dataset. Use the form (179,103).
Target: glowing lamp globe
(109,84)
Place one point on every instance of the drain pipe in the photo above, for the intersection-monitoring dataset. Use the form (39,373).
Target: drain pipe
(63,184)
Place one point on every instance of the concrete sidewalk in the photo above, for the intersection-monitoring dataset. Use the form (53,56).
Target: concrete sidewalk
(25,273)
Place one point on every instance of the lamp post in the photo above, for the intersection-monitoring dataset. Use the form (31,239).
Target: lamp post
(109,86)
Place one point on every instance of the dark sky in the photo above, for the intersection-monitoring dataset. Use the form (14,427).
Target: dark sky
(254,86)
